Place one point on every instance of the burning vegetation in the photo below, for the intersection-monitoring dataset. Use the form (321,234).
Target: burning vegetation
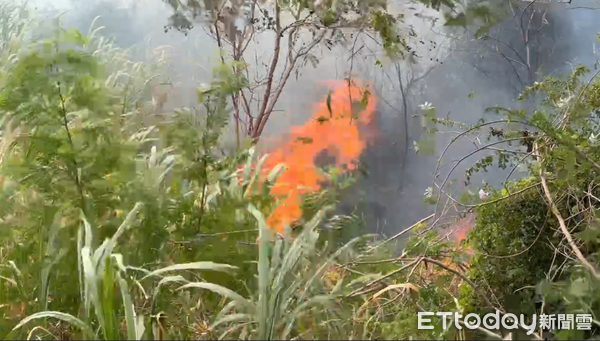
(341,127)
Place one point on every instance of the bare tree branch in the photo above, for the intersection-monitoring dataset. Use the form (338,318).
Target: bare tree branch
(272,68)
(266,112)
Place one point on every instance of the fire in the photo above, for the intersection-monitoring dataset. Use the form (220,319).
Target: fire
(460,230)
(335,129)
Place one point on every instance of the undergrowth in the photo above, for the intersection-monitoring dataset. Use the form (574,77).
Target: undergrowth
(118,221)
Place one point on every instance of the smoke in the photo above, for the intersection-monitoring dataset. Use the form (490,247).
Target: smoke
(450,68)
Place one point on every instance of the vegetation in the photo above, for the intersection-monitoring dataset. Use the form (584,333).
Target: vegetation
(118,222)
(295,28)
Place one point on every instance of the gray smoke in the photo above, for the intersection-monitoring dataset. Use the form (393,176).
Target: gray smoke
(453,70)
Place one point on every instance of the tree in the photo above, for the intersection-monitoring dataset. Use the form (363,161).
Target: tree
(526,39)
(295,28)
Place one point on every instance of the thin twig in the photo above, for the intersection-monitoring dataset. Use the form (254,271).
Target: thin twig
(399,234)
(265,113)
(466,279)
(472,206)
(209,235)
(78,183)
(361,290)
(469,155)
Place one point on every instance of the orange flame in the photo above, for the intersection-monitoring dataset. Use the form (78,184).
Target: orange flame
(461,228)
(334,128)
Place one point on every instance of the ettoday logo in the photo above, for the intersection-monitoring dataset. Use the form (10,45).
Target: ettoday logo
(494,321)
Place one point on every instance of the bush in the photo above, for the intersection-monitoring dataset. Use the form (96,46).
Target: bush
(512,251)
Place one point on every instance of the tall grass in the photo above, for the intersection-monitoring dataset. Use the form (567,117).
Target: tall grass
(16,27)
(100,270)
(184,261)
(290,284)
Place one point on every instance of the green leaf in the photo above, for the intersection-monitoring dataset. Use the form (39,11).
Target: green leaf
(329,18)
(106,249)
(218,289)
(109,327)
(364,279)
(255,175)
(9,280)
(457,20)
(164,281)
(579,288)
(275,173)
(68,318)
(314,301)
(92,295)
(590,234)
(232,318)
(129,312)
(264,274)
(53,256)
(193,266)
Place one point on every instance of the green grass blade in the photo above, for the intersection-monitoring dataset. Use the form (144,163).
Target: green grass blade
(9,280)
(364,279)
(97,256)
(255,175)
(165,280)
(118,258)
(263,275)
(45,276)
(276,255)
(140,327)
(317,300)
(275,173)
(226,309)
(221,290)
(88,231)
(128,307)
(109,330)
(248,166)
(68,318)
(80,263)
(170,279)
(129,219)
(52,256)
(92,295)
(233,318)
(242,336)
(193,266)
(330,260)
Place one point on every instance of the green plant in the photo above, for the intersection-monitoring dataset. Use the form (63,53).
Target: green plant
(513,249)
(535,241)
(68,146)
(74,160)
(100,271)
(79,148)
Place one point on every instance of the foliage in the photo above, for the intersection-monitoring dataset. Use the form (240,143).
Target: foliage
(75,159)
(535,242)
(510,256)
(298,27)
(68,147)
(116,222)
